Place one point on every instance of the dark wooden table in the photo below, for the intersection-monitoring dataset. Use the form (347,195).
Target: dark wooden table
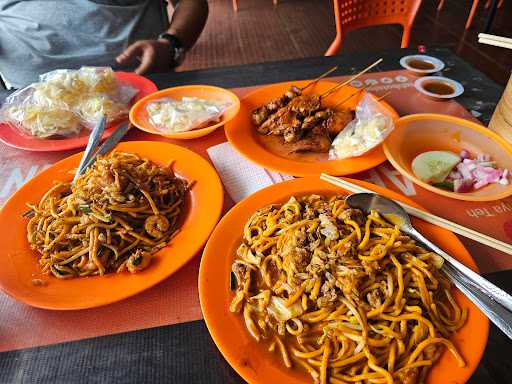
(185,353)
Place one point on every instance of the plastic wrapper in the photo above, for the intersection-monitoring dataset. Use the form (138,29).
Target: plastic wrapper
(170,116)
(371,126)
(64,101)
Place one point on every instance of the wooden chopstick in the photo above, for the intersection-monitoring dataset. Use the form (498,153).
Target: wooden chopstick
(495,37)
(497,41)
(428,217)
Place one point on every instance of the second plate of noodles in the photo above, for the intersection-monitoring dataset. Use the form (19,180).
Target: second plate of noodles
(133,219)
(316,292)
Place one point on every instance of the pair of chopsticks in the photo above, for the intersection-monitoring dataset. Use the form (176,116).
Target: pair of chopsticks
(428,217)
(497,41)
(92,151)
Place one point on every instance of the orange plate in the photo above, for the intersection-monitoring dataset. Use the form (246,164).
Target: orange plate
(415,134)
(256,364)
(14,138)
(20,263)
(242,134)
(139,116)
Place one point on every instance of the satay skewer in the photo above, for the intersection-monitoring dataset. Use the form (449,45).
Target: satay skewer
(359,90)
(319,78)
(337,87)
(383,96)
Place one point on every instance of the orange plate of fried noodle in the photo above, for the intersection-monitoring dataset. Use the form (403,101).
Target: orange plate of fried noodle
(313,299)
(131,220)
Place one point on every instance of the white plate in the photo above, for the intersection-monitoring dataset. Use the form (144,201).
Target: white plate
(458,89)
(438,64)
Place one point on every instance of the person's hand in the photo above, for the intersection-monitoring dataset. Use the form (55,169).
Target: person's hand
(153,55)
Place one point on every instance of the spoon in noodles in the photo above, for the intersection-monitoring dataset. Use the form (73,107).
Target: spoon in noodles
(490,299)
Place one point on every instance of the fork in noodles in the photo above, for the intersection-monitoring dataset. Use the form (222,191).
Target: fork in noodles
(114,217)
(342,295)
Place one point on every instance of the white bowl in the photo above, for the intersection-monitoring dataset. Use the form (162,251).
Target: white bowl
(458,89)
(438,64)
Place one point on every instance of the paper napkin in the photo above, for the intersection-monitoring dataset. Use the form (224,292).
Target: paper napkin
(240,176)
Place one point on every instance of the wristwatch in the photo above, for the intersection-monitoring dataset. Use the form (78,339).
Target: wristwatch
(177,49)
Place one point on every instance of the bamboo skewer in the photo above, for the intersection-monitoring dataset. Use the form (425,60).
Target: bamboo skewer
(351,96)
(337,87)
(428,217)
(319,78)
(383,96)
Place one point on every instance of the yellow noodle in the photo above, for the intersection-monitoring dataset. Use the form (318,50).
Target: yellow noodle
(122,207)
(353,300)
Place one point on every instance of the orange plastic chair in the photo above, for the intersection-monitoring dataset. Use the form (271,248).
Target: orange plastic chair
(354,14)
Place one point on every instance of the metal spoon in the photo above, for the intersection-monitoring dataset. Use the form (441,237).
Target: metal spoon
(493,301)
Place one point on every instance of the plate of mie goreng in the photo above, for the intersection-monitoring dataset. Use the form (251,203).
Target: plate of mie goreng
(296,286)
(134,217)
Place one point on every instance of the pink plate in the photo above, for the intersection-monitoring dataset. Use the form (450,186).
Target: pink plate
(13,138)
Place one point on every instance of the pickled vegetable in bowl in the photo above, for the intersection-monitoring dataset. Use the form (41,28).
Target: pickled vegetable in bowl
(458,172)
(470,142)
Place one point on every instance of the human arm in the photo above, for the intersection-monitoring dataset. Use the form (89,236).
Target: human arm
(188,18)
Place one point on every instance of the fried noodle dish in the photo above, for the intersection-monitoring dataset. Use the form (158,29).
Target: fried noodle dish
(343,295)
(114,217)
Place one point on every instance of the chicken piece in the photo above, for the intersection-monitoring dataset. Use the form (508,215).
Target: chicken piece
(337,121)
(309,122)
(277,103)
(305,105)
(240,270)
(374,298)
(353,214)
(259,115)
(271,123)
(407,376)
(291,134)
(293,92)
(315,141)
(285,123)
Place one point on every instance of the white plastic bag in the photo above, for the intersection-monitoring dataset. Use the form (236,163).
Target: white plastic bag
(64,101)
(170,116)
(372,124)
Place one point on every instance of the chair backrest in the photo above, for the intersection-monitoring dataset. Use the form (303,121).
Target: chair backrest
(354,14)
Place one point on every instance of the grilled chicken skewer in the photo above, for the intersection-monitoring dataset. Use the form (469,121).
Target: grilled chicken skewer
(304,124)
(260,114)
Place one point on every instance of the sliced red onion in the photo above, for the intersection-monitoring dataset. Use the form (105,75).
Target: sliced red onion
(464,154)
(464,171)
(454,175)
(462,185)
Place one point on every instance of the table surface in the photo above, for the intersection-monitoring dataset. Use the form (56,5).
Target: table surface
(185,353)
